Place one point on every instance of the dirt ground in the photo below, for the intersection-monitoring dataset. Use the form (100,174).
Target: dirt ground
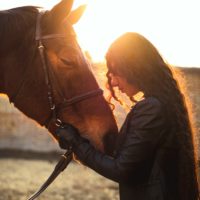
(19,178)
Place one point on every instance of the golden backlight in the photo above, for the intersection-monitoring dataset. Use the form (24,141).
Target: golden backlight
(102,22)
(171,25)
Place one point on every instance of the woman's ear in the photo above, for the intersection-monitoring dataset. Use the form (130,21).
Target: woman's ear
(60,11)
(75,15)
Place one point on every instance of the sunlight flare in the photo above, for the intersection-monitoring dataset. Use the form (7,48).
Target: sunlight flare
(164,23)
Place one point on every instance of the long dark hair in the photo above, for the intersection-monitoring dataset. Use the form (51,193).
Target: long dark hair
(135,58)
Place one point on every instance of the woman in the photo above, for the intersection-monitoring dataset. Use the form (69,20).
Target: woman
(155,154)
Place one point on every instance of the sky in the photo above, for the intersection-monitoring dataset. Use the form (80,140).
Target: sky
(171,25)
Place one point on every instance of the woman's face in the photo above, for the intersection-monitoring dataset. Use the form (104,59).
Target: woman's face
(121,83)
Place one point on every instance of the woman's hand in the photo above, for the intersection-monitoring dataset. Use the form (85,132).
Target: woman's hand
(68,136)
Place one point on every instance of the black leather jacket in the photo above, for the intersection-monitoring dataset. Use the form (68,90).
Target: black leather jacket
(138,162)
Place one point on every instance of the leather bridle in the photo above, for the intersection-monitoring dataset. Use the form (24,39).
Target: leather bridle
(67,157)
(66,102)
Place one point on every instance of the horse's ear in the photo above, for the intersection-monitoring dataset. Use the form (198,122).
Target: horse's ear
(75,15)
(60,11)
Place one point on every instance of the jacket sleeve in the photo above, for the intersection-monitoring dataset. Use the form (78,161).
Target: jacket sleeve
(142,136)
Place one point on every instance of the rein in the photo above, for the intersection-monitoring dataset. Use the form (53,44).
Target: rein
(67,157)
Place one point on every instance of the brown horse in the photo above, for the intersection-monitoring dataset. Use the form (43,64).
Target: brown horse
(54,82)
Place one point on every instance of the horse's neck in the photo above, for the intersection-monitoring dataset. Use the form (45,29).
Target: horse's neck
(12,56)
(2,84)
(9,66)
(15,76)
(10,75)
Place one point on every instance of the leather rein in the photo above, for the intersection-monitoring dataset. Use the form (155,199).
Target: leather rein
(67,157)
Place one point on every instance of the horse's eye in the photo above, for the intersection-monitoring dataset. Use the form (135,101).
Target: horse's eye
(67,62)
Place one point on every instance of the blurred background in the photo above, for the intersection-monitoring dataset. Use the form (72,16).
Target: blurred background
(27,152)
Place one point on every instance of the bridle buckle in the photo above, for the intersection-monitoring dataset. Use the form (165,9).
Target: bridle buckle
(58,123)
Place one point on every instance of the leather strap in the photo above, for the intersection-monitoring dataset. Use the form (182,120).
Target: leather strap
(60,166)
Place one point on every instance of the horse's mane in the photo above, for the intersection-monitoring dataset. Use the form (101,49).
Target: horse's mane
(15,22)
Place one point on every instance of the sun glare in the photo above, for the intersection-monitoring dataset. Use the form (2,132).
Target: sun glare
(163,22)
(172,26)
(100,25)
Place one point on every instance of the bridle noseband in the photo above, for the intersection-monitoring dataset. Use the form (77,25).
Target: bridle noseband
(66,158)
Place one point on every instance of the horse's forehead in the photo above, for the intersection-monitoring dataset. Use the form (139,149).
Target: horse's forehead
(71,47)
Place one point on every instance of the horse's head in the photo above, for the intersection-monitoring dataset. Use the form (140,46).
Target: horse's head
(60,71)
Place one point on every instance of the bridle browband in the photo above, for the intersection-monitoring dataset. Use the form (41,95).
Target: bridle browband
(65,158)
